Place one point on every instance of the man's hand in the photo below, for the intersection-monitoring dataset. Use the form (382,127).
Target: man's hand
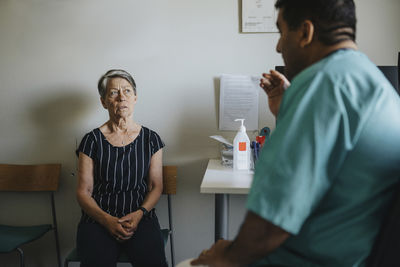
(274,84)
(131,221)
(215,256)
(256,239)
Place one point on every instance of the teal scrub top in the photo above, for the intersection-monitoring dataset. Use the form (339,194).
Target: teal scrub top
(328,171)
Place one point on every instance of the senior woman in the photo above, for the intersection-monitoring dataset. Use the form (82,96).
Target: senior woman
(119,183)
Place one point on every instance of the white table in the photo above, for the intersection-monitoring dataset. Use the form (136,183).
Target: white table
(222,181)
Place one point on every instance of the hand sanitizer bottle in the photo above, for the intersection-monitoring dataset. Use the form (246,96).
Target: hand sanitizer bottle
(241,149)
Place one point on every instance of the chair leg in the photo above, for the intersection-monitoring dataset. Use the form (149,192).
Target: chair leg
(57,247)
(21,257)
(171,240)
(55,228)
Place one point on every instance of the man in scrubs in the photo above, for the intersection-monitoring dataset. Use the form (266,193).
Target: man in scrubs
(324,180)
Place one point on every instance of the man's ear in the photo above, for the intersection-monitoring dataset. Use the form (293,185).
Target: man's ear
(307,33)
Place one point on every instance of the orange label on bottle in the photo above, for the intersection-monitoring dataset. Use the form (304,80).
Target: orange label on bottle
(242,146)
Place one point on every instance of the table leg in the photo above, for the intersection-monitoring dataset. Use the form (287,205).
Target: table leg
(221,216)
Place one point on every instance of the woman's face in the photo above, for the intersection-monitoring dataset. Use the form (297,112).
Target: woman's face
(120,98)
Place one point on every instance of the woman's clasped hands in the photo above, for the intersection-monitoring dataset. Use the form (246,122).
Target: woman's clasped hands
(123,228)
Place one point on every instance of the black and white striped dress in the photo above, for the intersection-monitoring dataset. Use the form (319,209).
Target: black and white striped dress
(120,173)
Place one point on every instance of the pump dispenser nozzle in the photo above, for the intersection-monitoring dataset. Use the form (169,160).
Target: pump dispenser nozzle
(242,128)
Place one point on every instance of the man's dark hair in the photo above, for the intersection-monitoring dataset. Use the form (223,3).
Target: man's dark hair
(334,20)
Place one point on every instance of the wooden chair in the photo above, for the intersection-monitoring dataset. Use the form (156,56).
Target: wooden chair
(169,188)
(28,178)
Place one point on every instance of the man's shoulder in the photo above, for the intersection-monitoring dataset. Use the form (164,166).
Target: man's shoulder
(346,76)
(343,70)
(348,62)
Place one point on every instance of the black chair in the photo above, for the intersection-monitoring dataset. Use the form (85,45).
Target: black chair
(392,74)
(28,178)
(280,69)
(169,188)
(386,249)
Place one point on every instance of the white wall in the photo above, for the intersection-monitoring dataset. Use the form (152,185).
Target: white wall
(52,53)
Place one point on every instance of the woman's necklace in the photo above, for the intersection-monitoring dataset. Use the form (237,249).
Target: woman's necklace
(129,137)
(123,137)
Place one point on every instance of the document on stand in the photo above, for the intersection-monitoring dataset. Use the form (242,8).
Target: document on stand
(238,100)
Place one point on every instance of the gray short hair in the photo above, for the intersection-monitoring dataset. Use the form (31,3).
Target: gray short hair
(102,85)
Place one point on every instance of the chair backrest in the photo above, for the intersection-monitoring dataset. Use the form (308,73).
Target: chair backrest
(385,252)
(169,180)
(29,178)
(42,177)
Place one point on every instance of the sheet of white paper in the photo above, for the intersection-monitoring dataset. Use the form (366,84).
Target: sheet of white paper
(238,100)
(221,139)
(259,16)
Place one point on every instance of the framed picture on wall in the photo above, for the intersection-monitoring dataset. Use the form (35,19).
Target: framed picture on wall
(258,16)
